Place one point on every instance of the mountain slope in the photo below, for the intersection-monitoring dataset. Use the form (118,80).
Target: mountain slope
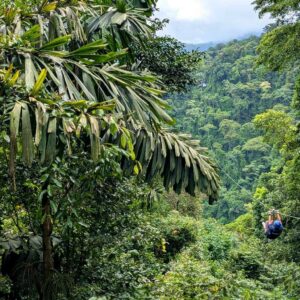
(219,111)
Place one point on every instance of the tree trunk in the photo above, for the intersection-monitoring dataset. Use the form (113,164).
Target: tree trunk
(48,264)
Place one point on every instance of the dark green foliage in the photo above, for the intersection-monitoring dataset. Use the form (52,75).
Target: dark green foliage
(279,47)
(69,86)
(279,187)
(177,239)
(231,90)
(239,270)
(281,10)
(121,264)
(168,58)
(296,98)
(249,261)
(185,204)
(216,241)
(176,233)
(113,236)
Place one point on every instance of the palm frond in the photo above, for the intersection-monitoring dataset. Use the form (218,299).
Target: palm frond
(126,26)
(180,161)
(64,74)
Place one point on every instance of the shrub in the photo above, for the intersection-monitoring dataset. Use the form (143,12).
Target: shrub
(177,232)
(247,258)
(217,241)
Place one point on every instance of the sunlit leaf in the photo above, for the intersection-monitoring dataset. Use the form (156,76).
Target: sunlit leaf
(39,82)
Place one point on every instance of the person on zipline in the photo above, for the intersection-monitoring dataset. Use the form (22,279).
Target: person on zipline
(273,227)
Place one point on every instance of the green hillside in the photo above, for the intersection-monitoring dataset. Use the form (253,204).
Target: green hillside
(231,90)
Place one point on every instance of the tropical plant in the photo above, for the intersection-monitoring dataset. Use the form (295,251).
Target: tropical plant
(64,91)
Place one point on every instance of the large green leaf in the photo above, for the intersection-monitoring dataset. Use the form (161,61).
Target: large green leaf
(55,43)
(181,162)
(70,76)
(27,138)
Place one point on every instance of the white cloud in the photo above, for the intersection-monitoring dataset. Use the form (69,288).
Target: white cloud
(209,20)
(188,10)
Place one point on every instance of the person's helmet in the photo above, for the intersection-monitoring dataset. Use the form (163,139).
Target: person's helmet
(277,224)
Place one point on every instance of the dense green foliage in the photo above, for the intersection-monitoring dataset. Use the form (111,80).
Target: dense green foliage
(281,130)
(77,116)
(87,155)
(169,59)
(279,47)
(219,110)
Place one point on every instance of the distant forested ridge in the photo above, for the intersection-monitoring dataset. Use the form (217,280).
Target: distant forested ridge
(231,90)
(199,47)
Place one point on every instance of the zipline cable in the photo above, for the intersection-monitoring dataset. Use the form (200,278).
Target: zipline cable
(242,188)
(237,184)
(290,216)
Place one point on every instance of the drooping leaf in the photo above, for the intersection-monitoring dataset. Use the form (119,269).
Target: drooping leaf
(27,138)
(8,73)
(15,116)
(51,141)
(94,137)
(30,72)
(40,119)
(123,141)
(136,169)
(183,164)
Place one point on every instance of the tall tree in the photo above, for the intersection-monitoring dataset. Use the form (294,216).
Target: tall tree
(279,47)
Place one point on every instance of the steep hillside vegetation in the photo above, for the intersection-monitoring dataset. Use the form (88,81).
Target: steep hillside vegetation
(232,89)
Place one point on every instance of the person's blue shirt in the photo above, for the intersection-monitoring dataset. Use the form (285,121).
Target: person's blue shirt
(274,229)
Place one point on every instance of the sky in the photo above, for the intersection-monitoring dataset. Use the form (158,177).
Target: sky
(202,21)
